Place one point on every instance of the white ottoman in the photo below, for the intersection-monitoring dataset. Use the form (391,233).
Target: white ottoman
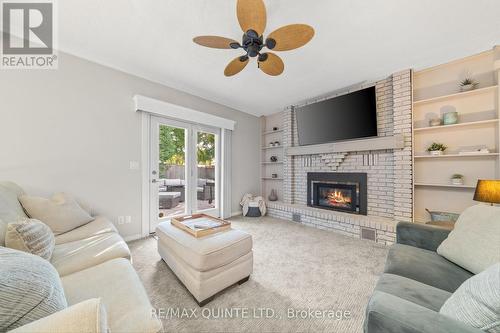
(209,264)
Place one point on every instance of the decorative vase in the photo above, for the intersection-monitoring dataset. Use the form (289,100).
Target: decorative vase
(450,118)
(468,87)
(436,152)
(273,196)
(274,158)
(435,122)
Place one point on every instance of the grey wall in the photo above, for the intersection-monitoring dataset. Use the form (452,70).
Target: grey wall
(74,130)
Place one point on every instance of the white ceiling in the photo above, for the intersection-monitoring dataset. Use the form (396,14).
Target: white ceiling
(356,40)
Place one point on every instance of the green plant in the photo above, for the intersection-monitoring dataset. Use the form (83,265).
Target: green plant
(457,176)
(468,81)
(172,147)
(437,146)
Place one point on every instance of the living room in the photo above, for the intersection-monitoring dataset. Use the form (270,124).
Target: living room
(250,166)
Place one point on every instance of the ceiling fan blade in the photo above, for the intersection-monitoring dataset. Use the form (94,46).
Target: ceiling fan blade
(252,15)
(236,66)
(215,42)
(273,65)
(291,36)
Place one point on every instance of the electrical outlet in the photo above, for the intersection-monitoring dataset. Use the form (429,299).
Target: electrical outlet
(134,165)
(121,220)
(128,219)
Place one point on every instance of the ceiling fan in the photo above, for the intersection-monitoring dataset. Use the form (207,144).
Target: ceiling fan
(252,18)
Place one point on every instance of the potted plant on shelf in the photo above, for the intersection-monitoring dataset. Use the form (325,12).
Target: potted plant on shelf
(468,84)
(457,179)
(436,149)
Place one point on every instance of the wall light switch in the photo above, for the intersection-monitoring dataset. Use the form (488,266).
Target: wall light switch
(128,219)
(121,220)
(134,165)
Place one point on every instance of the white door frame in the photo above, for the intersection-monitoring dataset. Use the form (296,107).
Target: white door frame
(155,122)
(148,145)
(218,161)
(147,106)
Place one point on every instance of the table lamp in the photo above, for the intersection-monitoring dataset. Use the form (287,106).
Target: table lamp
(488,191)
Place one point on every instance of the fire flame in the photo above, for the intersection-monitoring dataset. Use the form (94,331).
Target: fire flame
(337,197)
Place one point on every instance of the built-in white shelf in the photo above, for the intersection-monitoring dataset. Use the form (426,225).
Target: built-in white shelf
(272,132)
(445,185)
(456,155)
(275,147)
(471,123)
(455,95)
(271,178)
(436,92)
(277,163)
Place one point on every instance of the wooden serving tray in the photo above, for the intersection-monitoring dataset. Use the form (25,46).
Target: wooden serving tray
(179,223)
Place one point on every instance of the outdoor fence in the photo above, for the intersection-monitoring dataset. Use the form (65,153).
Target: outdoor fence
(179,172)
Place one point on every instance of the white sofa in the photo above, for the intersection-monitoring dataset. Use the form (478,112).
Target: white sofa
(93,261)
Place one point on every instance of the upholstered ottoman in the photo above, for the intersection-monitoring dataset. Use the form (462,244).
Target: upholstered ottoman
(209,264)
(168,200)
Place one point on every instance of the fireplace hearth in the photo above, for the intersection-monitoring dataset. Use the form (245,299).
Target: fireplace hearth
(345,192)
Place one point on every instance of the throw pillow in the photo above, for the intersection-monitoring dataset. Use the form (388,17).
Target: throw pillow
(61,212)
(31,236)
(30,289)
(10,208)
(477,301)
(474,243)
(88,316)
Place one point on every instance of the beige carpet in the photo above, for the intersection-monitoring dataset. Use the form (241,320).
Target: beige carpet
(295,267)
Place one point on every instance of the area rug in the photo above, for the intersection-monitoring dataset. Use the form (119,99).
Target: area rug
(304,280)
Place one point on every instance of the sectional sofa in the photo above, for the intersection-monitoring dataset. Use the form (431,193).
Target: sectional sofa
(93,261)
(416,283)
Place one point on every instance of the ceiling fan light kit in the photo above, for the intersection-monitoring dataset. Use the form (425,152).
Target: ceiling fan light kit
(252,18)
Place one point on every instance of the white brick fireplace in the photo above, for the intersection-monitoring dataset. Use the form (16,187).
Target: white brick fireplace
(389,171)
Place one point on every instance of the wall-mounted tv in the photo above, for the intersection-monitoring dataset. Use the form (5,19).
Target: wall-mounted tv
(346,117)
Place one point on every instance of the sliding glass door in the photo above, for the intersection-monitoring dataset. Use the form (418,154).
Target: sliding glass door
(184,170)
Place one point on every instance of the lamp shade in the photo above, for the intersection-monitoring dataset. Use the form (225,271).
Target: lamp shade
(487,191)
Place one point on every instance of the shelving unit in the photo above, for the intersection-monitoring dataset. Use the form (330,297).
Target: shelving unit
(275,147)
(445,185)
(457,155)
(272,132)
(461,94)
(469,123)
(435,92)
(269,135)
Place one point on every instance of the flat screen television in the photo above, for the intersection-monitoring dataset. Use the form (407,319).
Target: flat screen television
(346,117)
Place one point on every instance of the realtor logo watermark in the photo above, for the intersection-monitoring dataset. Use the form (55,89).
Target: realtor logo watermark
(28,35)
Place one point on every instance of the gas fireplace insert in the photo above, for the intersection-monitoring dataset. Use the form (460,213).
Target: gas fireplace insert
(345,192)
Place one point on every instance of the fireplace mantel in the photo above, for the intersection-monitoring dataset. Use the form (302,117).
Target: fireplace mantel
(378,143)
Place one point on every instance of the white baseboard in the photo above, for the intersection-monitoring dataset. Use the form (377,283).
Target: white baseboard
(233,214)
(133,237)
